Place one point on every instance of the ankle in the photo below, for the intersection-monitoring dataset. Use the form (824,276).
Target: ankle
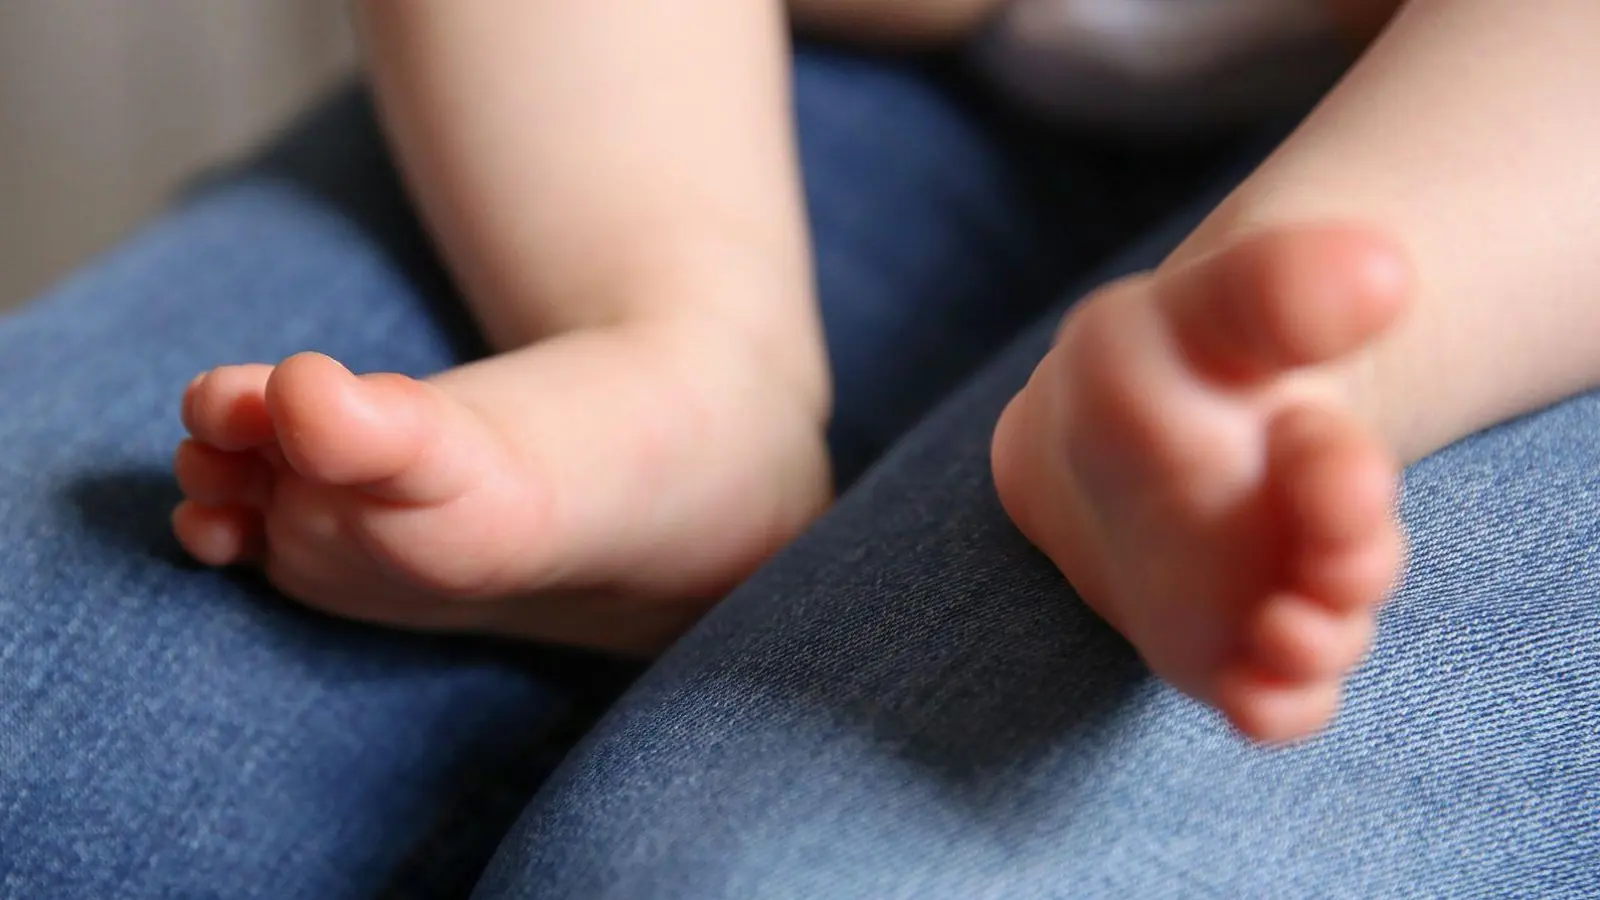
(784,373)
(741,318)
(734,313)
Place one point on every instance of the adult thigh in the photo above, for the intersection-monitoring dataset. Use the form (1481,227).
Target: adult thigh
(911,702)
(170,731)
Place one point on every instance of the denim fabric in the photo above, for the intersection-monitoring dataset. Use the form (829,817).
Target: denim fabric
(172,732)
(910,703)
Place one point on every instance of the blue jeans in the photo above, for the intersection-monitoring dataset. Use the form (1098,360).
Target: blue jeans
(907,703)
(910,703)
(169,731)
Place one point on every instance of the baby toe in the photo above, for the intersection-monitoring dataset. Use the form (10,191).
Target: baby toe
(218,535)
(1337,487)
(226,407)
(1296,638)
(1336,479)
(339,429)
(215,477)
(1356,578)
(1285,299)
(1276,711)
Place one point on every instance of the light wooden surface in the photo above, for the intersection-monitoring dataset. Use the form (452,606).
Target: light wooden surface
(105,105)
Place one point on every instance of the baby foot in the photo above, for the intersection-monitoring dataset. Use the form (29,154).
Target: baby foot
(599,489)
(1191,459)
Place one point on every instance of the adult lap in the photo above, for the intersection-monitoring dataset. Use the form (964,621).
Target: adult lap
(176,731)
(170,730)
(910,703)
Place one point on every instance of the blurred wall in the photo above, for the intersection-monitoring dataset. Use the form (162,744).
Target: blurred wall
(105,105)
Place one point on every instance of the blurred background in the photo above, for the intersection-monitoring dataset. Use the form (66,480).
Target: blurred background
(107,105)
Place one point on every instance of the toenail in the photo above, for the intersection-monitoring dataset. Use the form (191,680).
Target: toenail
(186,401)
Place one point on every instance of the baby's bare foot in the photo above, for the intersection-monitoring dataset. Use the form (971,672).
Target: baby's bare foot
(1187,456)
(598,489)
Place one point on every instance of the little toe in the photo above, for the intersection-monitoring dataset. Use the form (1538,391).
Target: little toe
(1276,711)
(218,535)
(217,477)
(376,431)
(1295,638)
(226,407)
(1288,298)
(1337,488)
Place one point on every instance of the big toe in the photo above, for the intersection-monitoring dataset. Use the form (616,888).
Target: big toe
(372,431)
(1286,298)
